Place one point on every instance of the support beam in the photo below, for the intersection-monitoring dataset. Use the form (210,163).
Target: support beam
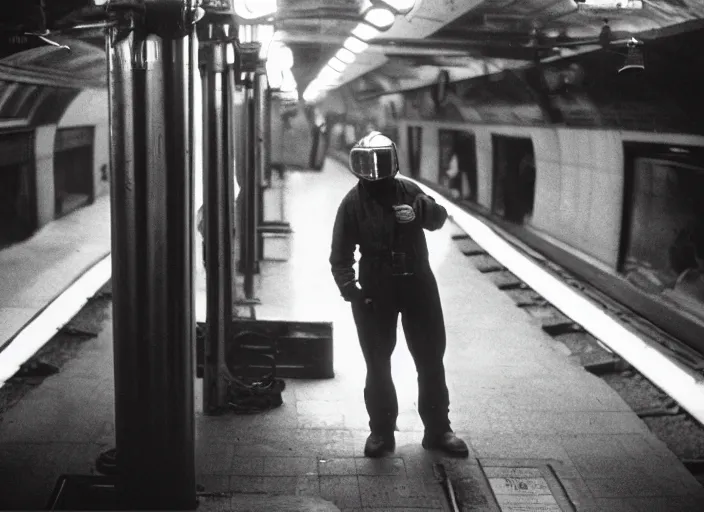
(262,146)
(249,261)
(218,195)
(152,247)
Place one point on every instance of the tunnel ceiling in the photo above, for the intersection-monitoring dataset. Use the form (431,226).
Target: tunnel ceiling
(465,37)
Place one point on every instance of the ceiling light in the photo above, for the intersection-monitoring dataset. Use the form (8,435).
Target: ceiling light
(327,74)
(345,56)
(365,32)
(337,64)
(355,45)
(609,4)
(380,18)
(401,6)
(310,95)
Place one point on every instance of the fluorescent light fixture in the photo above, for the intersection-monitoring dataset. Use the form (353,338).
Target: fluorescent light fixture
(380,18)
(611,5)
(345,56)
(337,64)
(355,45)
(365,32)
(328,75)
(311,95)
(252,9)
(401,6)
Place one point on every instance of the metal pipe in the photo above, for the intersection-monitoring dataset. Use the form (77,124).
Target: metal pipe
(248,242)
(217,195)
(261,151)
(232,161)
(152,245)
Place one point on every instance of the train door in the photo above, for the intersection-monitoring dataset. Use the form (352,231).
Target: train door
(18,217)
(513,178)
(662,249)
(415,146)
(319,149)
(458,163)
(73,169)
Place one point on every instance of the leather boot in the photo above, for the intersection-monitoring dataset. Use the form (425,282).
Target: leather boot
(447,442)
(379,444)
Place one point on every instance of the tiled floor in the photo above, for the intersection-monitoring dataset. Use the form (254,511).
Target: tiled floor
(515,397)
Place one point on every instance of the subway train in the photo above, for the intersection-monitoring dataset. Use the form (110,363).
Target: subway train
(600,171)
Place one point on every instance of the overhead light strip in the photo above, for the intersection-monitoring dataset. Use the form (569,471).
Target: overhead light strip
(379,15)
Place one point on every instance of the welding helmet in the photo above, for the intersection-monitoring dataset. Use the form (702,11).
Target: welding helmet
(374,158)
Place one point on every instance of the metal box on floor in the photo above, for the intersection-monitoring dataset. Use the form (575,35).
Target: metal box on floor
(301,350)
(84,492)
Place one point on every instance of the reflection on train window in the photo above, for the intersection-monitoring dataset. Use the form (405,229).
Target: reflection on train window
(664,253)
(415,146)
(458,163)
(514,178)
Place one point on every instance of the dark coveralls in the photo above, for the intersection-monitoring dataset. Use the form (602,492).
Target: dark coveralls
(365,217)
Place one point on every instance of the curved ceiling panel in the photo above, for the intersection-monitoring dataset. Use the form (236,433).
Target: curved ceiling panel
(83,65)
(32,105)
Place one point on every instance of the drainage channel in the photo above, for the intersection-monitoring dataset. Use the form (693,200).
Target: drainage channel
(664,417)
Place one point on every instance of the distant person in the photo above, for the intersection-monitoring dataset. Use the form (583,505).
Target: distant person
(386,217)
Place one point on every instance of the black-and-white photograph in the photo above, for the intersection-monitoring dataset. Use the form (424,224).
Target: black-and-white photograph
(352,255)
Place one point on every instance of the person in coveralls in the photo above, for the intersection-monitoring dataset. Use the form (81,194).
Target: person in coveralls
(386,216)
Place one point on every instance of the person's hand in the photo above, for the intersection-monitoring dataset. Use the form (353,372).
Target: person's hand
(353,293)
(404,213)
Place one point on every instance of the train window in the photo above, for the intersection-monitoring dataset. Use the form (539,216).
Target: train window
(415,145)
(664,246)
(458,163)
(513,178)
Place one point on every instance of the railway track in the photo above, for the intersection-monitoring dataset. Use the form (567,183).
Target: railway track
(670,422)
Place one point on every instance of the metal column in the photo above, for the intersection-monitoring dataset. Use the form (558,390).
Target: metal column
(152,247)
(262,149)
(218,194)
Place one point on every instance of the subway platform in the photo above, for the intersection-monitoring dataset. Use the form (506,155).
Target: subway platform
(544,434)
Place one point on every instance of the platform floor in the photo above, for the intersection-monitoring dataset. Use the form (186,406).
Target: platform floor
(34,272)
(515,397)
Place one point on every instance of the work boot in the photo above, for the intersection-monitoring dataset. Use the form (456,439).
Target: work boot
(378,444)
(447,442)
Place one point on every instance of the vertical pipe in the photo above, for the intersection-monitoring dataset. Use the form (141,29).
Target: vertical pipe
(233,131)
(261,152)
(217,194)
(248,245)
(152,246)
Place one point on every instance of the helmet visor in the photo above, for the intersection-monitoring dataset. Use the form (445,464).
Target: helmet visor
(373,163)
